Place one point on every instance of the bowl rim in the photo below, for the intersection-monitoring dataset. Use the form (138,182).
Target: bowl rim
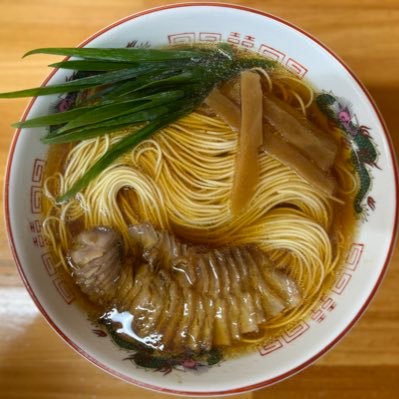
(246,388)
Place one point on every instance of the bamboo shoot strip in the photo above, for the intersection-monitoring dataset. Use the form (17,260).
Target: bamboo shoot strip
(291,157)
(246,171)
(297,130)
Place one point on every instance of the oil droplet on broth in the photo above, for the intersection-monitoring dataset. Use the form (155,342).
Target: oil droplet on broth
(125,321)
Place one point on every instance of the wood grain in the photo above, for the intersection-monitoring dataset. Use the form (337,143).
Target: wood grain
(34,362)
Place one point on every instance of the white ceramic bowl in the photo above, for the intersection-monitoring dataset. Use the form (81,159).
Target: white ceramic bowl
(366,262)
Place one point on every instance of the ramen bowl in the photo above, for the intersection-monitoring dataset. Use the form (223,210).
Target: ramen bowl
(368,254)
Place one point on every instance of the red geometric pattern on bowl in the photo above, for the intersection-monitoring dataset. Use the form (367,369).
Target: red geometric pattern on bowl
(209,37)
(36,189)
(295,67)
(244,41)
(36,199)
(36,230)
(271,52)
(48,263)
(319,314)
(295,332)
(270,347)
(240,40)
(35,227)
(38,170)
(341,283)
(64,290)
(182,38)
(354,255)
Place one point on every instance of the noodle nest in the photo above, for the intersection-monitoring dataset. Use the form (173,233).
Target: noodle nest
(181,179)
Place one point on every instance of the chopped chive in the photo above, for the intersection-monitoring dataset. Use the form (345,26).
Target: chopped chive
(110,111)
(93,66)
(120,54)
(88,133)
(82,83)
(73,114)
(53,119)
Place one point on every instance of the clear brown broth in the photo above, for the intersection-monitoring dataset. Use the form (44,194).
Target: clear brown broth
(344,222)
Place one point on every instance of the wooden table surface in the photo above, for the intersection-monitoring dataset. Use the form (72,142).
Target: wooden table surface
(35,362)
